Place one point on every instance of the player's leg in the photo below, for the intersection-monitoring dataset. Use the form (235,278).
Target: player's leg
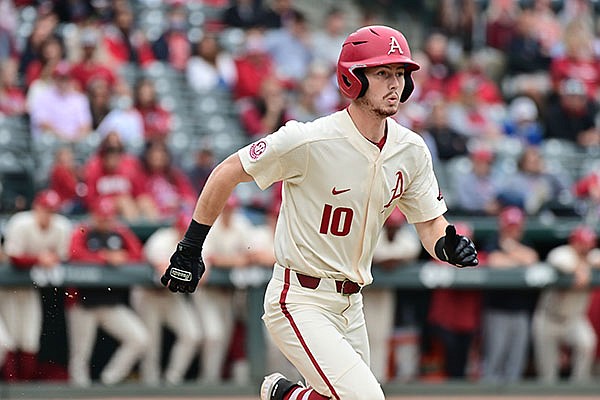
(519,346)
(215,312)
(123,324)
(546,341)
(582,338)
(495,341)
(30,322)
(147,306)
(180,318)
(81,328)
(9,314)
(379,314)
(307,326)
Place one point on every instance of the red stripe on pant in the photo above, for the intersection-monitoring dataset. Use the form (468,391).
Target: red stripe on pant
(289,317)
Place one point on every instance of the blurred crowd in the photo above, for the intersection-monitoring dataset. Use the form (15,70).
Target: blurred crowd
(507,99)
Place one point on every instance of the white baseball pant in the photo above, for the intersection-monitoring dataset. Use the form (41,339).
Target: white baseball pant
(323,333)
(379,305)
(21,310)
(120,322)
(158,307)
(549,334)
(215,313)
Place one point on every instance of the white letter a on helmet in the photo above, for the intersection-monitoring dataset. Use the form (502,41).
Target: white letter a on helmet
(394,45)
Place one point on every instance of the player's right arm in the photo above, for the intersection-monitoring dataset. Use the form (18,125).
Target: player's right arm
(186,265)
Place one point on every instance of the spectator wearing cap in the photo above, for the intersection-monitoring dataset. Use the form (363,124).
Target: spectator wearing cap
(570,116)
(89,68)
(104,242)
(522,123)
(112,174)
(38,238)
(560,318)
(479,186)
(506,314)
(61,111)
(398,245)
(226,247)
(449,141)
(158,307)
(587,190)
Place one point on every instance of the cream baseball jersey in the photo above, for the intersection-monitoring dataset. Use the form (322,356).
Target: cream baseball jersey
(338,189)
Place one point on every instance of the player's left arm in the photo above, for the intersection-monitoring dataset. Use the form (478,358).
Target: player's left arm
(442,242)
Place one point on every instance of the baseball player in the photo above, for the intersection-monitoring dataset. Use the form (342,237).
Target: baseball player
(343,175)
(38,238)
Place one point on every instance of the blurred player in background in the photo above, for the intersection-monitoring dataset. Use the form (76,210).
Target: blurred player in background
(158,308)
(343,175)
(38,238)
(561,317)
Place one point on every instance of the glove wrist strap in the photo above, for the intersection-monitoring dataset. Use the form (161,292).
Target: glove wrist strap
(195,235)
(439,249)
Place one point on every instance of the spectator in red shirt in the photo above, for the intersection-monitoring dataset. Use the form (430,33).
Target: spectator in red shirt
(579,61)
(89,68)
(483,87)
(169,188)
(12,97)
(124,43)
(266,112)
(173,45)
(67,182)
(253,66)
(113,175)
(157,120)
(103,241)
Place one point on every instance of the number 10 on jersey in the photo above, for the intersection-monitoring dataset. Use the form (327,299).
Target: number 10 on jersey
(336,220)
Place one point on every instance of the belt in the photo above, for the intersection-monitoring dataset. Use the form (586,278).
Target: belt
(345,287)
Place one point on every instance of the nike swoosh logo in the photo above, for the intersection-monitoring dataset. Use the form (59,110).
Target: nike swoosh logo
(336,192)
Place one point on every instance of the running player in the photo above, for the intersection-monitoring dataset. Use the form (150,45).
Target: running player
(342,175)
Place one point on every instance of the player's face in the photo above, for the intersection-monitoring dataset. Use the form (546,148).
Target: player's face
(386,83)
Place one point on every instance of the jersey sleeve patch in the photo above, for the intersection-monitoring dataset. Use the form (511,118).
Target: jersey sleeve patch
(257,149)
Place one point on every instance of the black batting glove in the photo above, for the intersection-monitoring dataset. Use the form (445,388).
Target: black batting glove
(186,266)
(456,249)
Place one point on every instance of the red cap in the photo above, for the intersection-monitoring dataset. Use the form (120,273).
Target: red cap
(482,155)
(48,199)
(583,235)
(104,208)
(511,216)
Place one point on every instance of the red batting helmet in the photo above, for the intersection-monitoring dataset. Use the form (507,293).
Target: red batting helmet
(372,46)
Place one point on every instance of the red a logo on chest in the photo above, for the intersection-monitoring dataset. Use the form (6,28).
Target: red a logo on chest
(397,190)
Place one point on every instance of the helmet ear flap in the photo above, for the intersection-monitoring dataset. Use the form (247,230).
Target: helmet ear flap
(364,82)
(409,86)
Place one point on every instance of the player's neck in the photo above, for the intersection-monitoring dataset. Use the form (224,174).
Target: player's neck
(372,128)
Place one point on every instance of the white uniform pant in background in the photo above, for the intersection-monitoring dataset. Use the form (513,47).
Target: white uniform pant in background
(379,304)
(121,323)
(21,310)
(215,313)
(323,333)
(548,336)
(158,307)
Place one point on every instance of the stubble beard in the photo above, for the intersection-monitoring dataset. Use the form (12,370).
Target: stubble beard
(378,111)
